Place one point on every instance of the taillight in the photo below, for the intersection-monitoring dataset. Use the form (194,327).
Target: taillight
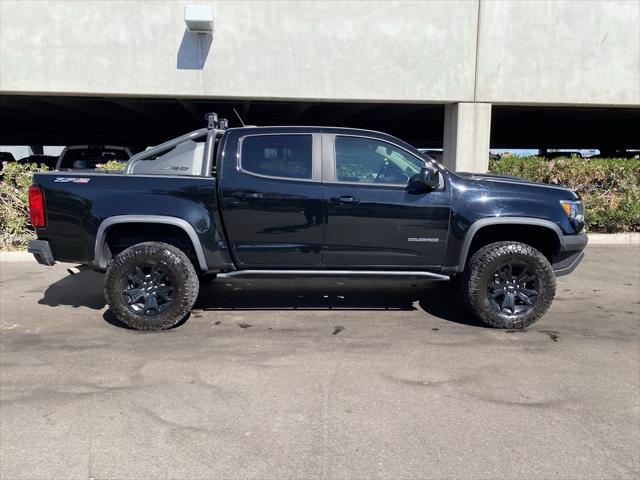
(36,207)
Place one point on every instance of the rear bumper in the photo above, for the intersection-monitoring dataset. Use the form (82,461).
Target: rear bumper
(41,251)
(571,254)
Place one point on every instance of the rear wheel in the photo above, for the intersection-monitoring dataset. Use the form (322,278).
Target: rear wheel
(509,284)
(151,286)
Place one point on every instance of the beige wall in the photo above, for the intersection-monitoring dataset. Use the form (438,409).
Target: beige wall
(573,52)
(549,52)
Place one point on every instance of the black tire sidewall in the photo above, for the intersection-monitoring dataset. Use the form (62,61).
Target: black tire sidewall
(178,267)
(480,272)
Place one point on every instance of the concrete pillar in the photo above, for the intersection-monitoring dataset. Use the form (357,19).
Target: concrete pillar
(467,131)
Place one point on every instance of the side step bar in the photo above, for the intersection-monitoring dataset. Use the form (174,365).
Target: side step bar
(324,273)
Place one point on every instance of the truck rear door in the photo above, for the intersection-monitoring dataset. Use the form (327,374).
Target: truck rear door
(272,197)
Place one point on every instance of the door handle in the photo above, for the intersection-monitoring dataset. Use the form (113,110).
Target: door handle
(345,199)
(249,196)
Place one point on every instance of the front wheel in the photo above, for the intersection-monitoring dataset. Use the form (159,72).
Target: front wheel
(151,286)
(509,284)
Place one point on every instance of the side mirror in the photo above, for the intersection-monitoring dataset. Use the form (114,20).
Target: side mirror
(428,179)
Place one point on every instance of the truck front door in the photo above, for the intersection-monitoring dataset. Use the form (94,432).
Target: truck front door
(272,198)
(371,219)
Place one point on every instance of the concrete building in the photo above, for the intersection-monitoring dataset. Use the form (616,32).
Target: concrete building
(463,74)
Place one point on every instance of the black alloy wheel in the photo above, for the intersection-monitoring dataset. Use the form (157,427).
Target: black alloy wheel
(514,289)
(147,289)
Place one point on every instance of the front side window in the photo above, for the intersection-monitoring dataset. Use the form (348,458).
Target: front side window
(366,160)
(277,155)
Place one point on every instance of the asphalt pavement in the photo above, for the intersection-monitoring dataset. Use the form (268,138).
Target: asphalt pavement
(321,379)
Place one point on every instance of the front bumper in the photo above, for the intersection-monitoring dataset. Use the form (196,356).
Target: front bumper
(41,251)
(571,254)
(572,243)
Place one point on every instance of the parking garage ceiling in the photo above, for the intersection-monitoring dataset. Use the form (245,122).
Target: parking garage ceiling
(63,120)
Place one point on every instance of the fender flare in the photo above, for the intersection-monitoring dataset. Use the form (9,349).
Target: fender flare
(101,262)
(477,225)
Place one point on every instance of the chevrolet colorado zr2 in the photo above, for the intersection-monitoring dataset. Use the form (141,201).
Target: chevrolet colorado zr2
(304,202)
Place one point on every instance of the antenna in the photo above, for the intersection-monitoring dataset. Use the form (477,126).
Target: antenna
(238,115)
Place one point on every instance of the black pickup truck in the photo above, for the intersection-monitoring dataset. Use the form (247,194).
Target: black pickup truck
(305,202)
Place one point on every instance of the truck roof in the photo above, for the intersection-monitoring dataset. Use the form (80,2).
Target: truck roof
(306,127)
(325,129)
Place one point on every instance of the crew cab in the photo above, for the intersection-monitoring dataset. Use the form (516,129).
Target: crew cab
(304,202)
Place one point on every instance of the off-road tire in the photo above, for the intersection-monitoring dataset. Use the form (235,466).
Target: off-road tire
(174,262)
(481,270)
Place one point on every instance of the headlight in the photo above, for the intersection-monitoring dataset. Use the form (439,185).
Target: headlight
(573,208)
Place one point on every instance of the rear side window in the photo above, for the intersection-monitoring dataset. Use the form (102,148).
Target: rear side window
(277,155)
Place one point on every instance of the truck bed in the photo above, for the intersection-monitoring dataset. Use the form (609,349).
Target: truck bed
(77,203)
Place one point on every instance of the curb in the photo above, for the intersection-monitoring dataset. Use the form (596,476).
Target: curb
(594,239)
(614,239)
(19,256)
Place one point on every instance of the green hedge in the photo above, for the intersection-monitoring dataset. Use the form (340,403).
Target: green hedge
(15,179)
(609,187)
